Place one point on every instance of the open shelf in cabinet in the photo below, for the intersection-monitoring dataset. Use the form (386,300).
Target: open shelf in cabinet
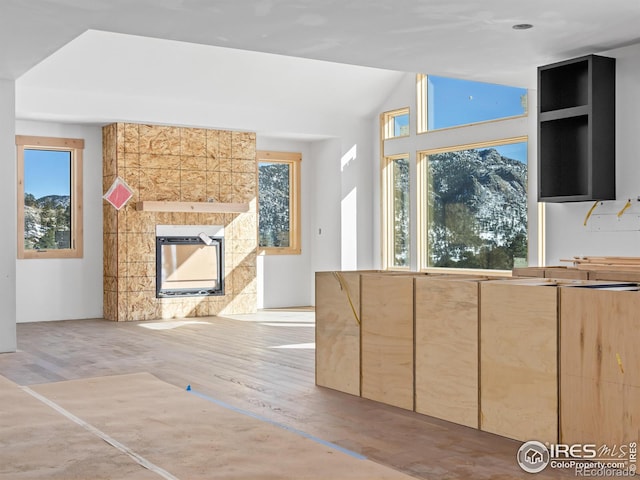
(576,130)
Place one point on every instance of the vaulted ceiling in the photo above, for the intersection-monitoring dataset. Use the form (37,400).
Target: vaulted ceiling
(459,38)
(465,38)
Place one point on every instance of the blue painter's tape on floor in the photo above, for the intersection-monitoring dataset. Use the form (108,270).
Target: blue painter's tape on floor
(279,425)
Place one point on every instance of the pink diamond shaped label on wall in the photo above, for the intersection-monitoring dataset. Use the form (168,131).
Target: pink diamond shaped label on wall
(118,194)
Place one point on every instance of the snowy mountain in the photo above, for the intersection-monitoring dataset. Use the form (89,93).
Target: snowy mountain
(477,209)
(54,201)
(47,221)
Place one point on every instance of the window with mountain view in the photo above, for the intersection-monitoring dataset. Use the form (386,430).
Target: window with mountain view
(398,199)
(476,205)
(279,202)
(471,205)
(49,197)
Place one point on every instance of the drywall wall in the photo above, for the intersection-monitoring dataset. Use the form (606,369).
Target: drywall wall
(605,234)
(8,199)
(325,189)
(358,172)
(66,288)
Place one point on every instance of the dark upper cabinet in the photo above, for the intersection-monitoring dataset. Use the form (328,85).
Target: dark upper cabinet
(576,130)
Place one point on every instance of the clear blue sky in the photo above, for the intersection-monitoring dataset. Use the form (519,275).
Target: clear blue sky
(400,121)
(453,101)
(515,151)
(47,172)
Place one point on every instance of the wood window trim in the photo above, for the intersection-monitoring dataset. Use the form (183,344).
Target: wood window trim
(387,124)
(75,147)
(294,159)
(388,241)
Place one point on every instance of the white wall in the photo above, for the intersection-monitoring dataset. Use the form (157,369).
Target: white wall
(326,205)
(8,240)
(566,235)
(66,288)
(359,173)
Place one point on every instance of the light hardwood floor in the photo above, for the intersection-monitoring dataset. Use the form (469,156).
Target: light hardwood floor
(263,363)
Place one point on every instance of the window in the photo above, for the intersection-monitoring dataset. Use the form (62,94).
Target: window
(464,204)
(279,202)
(451,102)
(474,207)
(395,124)
(49,197)
(397,200)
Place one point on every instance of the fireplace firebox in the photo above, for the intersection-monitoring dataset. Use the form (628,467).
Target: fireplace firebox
(189,261)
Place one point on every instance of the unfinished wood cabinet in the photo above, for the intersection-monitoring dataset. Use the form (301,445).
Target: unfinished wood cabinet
(551,272)
(387,339)
(338,331)
(487,353)
(599,374)
(446,357)
(565,273)
(615,275)
(518,359)
(537,272)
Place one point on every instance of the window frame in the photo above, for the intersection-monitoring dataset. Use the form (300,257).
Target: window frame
(75,147)
(423,196)
(294,160)
(387,123)
(388,237)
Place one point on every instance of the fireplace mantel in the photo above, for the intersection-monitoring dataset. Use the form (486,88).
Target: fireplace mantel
(194,207)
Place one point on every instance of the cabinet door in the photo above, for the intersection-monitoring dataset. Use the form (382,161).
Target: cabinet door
(447,349)
(518,361)
(599,375)
(338,331)
(387,339)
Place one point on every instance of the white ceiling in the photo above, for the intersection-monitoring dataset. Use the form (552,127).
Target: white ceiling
(460,38)
(101,77)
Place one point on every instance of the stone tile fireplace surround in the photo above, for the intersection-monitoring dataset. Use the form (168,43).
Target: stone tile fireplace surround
(164,163)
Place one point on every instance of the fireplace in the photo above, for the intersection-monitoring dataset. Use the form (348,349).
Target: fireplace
(189,260)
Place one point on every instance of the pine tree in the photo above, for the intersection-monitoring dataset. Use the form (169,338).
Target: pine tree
(48,240)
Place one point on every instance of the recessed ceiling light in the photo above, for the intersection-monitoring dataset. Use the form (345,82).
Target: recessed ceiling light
(522,26)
